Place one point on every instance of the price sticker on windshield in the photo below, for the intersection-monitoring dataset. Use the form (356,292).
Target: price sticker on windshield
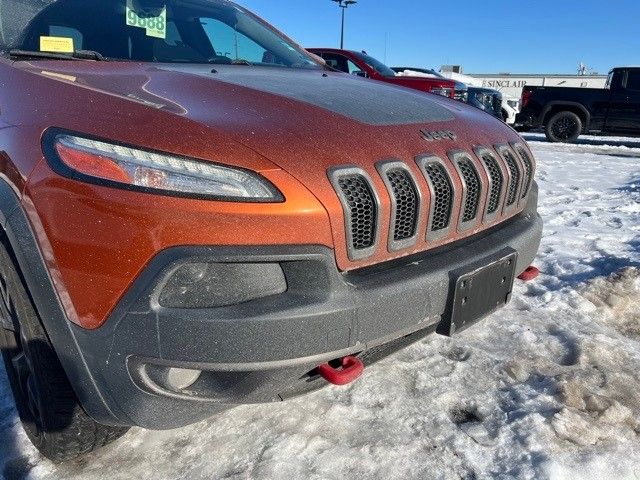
(56,44)
(153,20)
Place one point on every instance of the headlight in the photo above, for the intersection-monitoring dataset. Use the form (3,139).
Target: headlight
(445,92)
(462,96)
(483,101)
(121,166)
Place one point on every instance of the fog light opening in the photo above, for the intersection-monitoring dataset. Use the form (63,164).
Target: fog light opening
(173,378)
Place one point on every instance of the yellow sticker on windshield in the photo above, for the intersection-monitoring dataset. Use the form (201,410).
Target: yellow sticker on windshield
(56,44)
(153,20)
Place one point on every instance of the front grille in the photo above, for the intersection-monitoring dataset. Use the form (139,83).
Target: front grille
(473,189)
(456,185)
(497,180)
(512,192)
(443,193)
(528,170)
(406,199)
(362,210)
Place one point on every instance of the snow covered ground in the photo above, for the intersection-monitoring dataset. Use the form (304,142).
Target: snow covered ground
(547,388)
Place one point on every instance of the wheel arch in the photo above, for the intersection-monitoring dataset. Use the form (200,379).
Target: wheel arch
(15,225)
(563,106)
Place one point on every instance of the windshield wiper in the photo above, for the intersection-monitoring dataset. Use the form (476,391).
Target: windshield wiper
(77,55)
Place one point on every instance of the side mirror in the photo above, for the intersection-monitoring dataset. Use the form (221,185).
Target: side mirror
(360,73)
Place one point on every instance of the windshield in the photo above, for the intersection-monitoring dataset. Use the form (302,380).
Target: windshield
(377,65)
(167,31)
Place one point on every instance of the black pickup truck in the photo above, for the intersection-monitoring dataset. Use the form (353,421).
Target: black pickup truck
(565,113)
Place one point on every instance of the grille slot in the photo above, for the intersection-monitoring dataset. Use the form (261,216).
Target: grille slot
(407,203)
(512,192)
(497,180)
(361,210)
(473,189)
(528,170)
(443,192)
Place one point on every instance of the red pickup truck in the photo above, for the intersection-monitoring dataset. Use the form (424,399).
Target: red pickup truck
(363,65)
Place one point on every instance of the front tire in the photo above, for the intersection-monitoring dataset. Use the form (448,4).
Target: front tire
(563,127)
(48,407)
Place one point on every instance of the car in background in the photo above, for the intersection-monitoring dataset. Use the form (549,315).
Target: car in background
(567,112)
(487,99)
(363,65)
(461,88)
(510,105)
(510,108)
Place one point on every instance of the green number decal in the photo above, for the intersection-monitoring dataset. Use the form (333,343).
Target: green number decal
(154,22)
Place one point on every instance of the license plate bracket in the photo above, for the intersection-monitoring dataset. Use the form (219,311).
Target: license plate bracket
(481,291)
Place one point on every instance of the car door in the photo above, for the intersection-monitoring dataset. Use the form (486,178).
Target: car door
(624,107)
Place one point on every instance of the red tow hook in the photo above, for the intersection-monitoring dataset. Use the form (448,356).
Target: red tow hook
(529,274)
(350,370)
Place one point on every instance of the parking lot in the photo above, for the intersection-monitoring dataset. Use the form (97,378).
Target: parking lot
(546,387)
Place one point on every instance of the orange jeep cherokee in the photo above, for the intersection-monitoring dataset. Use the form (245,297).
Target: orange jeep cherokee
(197,214)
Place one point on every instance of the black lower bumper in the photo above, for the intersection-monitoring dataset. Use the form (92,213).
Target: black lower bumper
(527,120)
(266,349)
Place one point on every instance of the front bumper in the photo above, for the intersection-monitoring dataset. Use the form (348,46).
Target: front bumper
(526,120)
(264,350)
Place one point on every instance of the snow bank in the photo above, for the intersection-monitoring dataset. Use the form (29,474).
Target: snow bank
(616,298)
(547,388)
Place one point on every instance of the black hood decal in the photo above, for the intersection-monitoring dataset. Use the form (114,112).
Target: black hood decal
(367,101)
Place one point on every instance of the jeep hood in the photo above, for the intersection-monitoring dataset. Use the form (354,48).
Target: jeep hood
(286,115)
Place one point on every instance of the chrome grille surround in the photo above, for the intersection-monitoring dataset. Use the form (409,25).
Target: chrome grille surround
(514,183)
(473,189)
(442,196)
(361,215)
(529,166)
(406,203)
(496,187)
(465,191)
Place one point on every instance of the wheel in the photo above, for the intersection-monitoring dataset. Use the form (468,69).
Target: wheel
(49,410)
(563,127)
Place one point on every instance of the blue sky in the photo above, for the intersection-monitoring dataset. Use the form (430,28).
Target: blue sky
(545,36)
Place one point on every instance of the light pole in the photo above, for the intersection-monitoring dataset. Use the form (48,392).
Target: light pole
(343,4)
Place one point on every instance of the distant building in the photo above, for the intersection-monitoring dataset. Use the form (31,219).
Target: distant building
(512,84)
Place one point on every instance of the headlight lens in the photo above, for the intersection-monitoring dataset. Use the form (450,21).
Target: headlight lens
(126,167)
(462,96)
(445,92)
(483,101)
